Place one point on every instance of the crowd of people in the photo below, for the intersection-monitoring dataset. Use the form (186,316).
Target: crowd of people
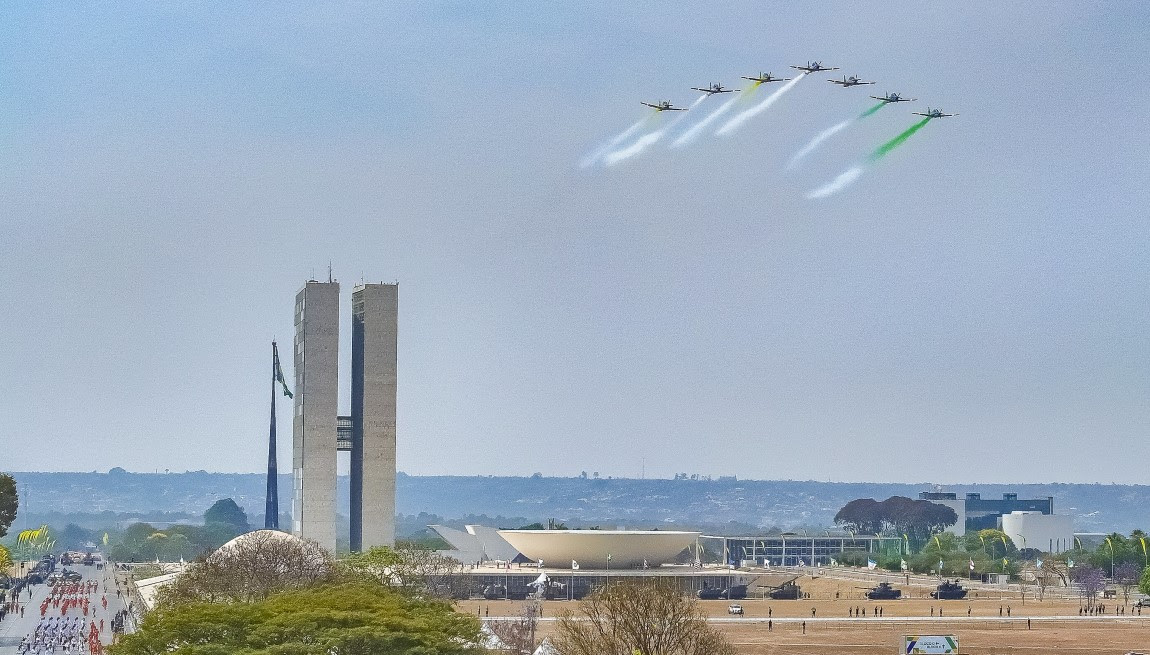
(59,634)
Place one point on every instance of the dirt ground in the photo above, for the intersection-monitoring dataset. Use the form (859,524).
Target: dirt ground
(832,630)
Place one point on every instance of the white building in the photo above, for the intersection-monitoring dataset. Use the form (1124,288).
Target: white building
(1049,533)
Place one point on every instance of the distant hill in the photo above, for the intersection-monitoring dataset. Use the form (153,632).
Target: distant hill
(783,504)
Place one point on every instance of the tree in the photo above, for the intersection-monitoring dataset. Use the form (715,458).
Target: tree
(253,568)
(1127,575)
(413,570)
(1144,583)
(648,616)
(226,511)
(5,561)
(518,635)
(350,619)
(9,502)
(919,520)
(1090,580)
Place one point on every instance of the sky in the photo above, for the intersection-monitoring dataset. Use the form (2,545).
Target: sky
(973,309)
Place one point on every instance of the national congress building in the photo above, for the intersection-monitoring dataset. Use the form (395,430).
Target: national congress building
(318,432)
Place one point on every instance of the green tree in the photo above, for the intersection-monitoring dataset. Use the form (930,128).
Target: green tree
(226,511)
(1144,583)
(9,502)
(5,561)
(350,619)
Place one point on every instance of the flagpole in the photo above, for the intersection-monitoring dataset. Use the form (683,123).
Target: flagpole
(271,499)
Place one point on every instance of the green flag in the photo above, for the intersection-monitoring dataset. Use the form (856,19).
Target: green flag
(280,371)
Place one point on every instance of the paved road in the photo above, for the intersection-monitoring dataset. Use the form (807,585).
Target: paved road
(14,628)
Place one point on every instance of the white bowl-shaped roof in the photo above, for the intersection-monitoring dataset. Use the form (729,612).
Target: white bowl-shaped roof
(628,548)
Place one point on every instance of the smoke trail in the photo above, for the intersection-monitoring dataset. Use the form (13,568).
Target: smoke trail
(872,110)
(746,115)
(818,140)
(647,140)
(885,148)
(690,135)
(838,184)
(606,147)
(828,133)
(855,172)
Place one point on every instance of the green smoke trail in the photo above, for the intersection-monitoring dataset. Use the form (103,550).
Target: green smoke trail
(885,148)
(872,110)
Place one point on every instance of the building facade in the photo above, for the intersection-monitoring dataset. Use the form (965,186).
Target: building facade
(316,401)
(318,432)
(374,360)
(1049,533)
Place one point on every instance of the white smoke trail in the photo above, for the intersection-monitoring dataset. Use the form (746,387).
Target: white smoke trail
(606,147)
(647,140)
(818,141)
(737,122)
(838,184)
(690,135)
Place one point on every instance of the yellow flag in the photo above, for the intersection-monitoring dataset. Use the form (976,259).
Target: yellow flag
(105,538)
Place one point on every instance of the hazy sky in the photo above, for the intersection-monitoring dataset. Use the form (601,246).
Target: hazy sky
(975,308)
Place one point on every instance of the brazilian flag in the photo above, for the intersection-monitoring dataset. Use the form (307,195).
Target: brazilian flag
(280,371)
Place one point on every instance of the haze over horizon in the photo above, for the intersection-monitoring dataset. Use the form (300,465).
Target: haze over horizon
(975,309)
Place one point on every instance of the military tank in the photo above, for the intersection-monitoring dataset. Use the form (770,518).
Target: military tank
(949,591)
(789,591)
(884,592)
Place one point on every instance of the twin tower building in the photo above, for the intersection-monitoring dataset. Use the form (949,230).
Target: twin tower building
(319,432)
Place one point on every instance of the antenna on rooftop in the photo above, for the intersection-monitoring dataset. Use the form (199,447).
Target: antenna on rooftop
(329,271)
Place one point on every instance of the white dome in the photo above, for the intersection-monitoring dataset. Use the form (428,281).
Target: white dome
(257,537)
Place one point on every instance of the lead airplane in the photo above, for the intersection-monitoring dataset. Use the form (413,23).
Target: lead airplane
(933,113)
(713,89)
(765,77)
(664,105)
(814,68)
(893,97)
(849,81)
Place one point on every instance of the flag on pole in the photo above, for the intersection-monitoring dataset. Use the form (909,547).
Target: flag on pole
(1038,563)
(608,557)
(1069,563)
(904,566)
(574,565)
(870,564)
(280,371)
(972,564)
(833,562)
(105,538)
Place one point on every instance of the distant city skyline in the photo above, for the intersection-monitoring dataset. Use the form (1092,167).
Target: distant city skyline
(974,309)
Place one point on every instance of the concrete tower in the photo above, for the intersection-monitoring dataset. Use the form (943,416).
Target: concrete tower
(314,419)
(374,337)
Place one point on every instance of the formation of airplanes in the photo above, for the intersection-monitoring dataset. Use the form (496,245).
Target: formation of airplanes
(811,67)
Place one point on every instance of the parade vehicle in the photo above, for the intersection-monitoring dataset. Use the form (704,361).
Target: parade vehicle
(735,608)
(884,592)
(949,591)
(789,591)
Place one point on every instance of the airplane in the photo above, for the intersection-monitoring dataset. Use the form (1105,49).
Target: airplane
(763,78)
(893,97)
(933,113)
(713,89)
(849,81)
(664,105)
(813,68)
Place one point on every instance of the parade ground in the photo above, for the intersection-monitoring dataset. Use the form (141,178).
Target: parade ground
(826,625)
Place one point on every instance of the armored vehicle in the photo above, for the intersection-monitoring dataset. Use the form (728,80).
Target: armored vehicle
(949,591)
(884,592)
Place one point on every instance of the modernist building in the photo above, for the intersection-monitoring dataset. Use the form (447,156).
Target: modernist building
(977,513)
(318,432)
(1049,533)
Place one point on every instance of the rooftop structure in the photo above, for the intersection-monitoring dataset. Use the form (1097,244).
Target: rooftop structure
(600,548)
